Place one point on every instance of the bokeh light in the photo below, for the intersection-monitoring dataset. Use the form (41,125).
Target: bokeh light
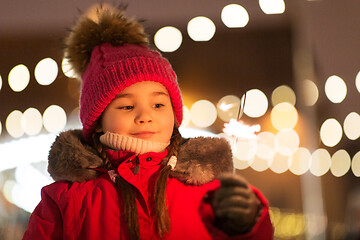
(340,163)
(310,92)
(168,39)
(29,180)
(203,113)
(320,162)
(234,16)
(266,145)
(300,161)
(13,124)
(284,115)
(0,82)
(330,132)
(283,94)
(7,190)
(357,81)
(0,128)
(66,68)
(288,141)
(31,121)
(46,71)
(201,29)
(272,6)
(54,118)
(259,164)
(240,164)
(335,89)
(228,107)
(280,163)
(245,149)
(186,117)
(351,126)
(355,164)
(19,78)
(256,103)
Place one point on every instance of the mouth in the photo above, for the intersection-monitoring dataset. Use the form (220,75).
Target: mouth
(143,134)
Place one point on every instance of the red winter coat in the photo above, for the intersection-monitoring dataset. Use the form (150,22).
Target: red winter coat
(94,209)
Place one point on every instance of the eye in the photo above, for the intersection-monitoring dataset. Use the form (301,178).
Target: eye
(126,107)
(158,105)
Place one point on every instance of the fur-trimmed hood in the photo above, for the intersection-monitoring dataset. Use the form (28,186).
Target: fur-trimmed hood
(200,160)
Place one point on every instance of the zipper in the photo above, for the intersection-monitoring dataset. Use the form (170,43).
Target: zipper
(137,165)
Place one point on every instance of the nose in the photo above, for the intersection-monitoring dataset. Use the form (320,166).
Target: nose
(143,116)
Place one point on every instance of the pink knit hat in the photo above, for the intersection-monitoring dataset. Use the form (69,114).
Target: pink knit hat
(117,57)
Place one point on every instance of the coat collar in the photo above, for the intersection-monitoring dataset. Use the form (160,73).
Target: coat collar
(200,160)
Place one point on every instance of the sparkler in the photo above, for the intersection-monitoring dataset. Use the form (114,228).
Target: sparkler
(235,128)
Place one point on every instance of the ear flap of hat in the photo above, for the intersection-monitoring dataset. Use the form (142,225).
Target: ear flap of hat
(110,26)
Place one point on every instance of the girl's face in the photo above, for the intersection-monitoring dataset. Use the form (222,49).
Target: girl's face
(143,111)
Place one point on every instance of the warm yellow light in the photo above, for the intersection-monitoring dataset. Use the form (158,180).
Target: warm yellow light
(54,118)
(340,163)
(357,81)
(8,189)
(300,161)
(19,78)
(284,115)
(66,68)
(330,132)
(31,121)
(320,162)
(203,113)
(228,107)
(351,126)
(186,117)
(240,164)
(259,164)
(310,92)
(256,103)
(0,82)
(280,163)
(355,164)
(266,145)
(272,6)
(283,94)
(288,141)
(13,124)
(46,71)
(245,149)
(168,39)
(201,29)
(335,89)
(234,16)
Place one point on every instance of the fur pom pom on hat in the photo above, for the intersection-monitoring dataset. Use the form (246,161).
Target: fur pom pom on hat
(109,54)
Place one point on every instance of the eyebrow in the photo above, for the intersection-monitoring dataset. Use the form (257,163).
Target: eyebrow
(124,95)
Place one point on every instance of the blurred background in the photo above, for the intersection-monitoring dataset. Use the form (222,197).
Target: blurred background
(298,61)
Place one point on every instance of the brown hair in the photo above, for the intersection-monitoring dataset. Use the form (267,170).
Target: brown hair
(162,218)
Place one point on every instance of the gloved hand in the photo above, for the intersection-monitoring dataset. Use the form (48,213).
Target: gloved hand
(235,205)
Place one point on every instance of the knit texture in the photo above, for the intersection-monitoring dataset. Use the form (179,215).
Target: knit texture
(136,145)
(113,68)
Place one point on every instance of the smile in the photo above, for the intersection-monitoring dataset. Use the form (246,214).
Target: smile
(144,134)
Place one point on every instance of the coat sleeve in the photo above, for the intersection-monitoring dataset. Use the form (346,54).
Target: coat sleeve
(263,229)
(46,221)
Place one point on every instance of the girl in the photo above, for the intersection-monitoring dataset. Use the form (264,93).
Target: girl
(129,174)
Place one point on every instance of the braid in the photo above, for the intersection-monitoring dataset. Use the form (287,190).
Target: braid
(162,218)
(130,209)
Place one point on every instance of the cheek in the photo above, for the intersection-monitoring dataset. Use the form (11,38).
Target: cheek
(111,122)
(169,126)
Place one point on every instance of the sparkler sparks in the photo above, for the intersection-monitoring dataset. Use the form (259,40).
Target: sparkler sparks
(239,130)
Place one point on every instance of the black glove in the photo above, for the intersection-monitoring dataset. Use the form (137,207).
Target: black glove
(235,205)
